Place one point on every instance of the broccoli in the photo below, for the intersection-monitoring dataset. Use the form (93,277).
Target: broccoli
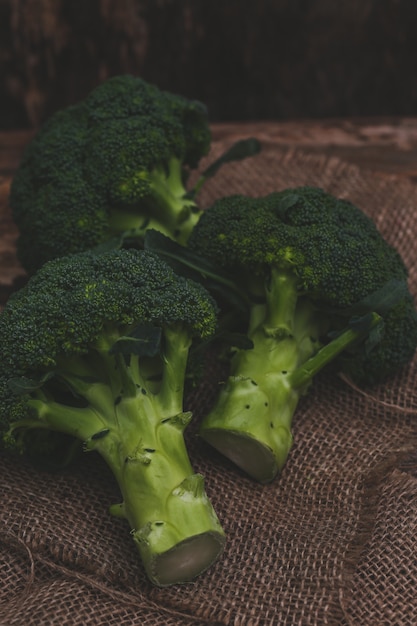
(96,347)
(114,162)
(323,287)
(103,171)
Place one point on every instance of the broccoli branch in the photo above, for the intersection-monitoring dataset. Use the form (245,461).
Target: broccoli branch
(250,422)
(104,399)
(166,206)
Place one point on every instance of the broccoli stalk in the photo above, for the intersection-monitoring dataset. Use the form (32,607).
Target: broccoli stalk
(170,208)
(100,172)
(113,376)
(140,434)
(322,286)
(252,417)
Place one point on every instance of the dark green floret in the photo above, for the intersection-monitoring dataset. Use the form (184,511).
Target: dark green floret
(96,348)
(323,287)
(109,166)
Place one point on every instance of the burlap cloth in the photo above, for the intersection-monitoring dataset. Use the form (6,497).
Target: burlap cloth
(332,541)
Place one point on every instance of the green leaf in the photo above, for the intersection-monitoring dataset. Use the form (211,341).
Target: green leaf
(375,336)
(114,243)
(89,380)
(190,265)
(145,340)
(381,300)
(21,385)
(361,324)
(285,202)
(368,324)
(384,299)
(240,150)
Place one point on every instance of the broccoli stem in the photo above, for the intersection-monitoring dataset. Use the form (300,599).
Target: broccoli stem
(173,523)
(250,422)
(174,208)
(170,209)
(304,374)
(140,435)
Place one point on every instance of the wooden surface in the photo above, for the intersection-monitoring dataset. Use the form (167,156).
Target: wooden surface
(387,146)
(275,59)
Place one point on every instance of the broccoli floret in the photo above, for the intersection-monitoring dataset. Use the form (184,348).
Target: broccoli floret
(115,162)
(323,286)
(95,347)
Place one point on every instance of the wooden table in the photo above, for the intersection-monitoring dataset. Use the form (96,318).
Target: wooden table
(387,146)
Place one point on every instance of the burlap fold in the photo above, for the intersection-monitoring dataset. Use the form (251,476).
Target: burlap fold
(331,541)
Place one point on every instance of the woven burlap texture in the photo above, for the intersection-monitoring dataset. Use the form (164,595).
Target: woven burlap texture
(331,541)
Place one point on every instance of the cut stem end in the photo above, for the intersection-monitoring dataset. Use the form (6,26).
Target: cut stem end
(186,560)
(252,456)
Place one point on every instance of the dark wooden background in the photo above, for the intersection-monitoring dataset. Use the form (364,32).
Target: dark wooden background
(246,59)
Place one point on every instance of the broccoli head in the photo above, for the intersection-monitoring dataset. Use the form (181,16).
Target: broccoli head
(109,166)
(323,286)
(95,347)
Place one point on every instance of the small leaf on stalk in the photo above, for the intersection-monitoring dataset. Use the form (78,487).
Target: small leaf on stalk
(242,149)
(283,203)
(375,335)
(21,385)
(191,265)
(145,340)
(114,243)
(382,300)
